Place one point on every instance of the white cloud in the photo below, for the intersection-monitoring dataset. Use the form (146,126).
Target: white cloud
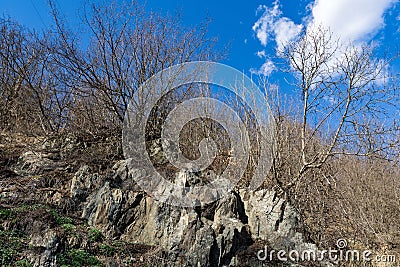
(355,20)
(272,26)
(264,24)
(285,30)
(352,22)
(266,69)
(261,54)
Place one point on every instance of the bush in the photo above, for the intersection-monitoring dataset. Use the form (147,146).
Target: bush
(95,235)
(11,245)
(107,249)
(5,214)
(61,220)
(77,258)
(68,227)
(23,263)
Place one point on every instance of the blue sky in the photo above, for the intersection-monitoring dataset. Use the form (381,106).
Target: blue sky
(251,27)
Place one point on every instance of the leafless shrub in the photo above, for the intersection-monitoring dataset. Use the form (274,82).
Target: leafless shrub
(127,46)
(337,142)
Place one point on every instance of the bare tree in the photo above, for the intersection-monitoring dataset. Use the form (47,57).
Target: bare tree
(127,46)
(348,106)
(339,121)
(11,81)
(32,97)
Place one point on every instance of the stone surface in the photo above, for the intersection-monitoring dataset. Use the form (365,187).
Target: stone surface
(83,182)
(203,236)
(49,241)
(271,218)
(228,232)
(35,163)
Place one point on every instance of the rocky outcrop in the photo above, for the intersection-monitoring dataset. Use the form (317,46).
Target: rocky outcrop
(271,218)
(205,236)
(83,182)
(49,241)
(36,163)
(227,232)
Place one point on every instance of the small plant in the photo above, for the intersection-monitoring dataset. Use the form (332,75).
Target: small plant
(25,207)
(77,258)
(68,227)
(7,255)
(23,263)
(107,249)
(11,242)
(5,214)
(95,235)
(61,219)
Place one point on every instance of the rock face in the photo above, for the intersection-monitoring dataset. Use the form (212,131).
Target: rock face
(49,241)
(215,235)
(228,232)
(270,218)
(35,163)
(83,181)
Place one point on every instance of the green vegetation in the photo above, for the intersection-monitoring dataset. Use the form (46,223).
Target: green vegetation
(23,263)
(11,244)
(107,249)
(5,213)
(77,258)
(7,255)
(61,220)
(95,235)
(68,227)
